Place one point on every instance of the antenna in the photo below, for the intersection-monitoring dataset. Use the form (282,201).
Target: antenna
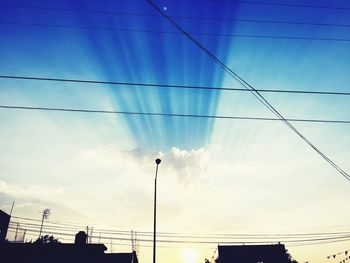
(13,204)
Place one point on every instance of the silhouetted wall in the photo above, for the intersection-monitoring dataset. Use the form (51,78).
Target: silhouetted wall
(61,253)
(4,224)
(253,254)
(51,253)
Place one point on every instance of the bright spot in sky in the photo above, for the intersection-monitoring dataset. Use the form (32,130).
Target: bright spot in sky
(189,255)
(165,8)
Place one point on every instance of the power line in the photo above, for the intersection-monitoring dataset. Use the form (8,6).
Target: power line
(170,114)
(346,237)
(188,236)
(67,226)
(302,241)
(254,92)
(280,4)
(164,246)
(172,85)
(177,33)
(179,17)
(318,243)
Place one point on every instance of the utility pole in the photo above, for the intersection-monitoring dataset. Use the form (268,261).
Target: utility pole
(24,235)
(91,232)
(132,241)
(137,246)
(87,234)
(45,215)
(16,232)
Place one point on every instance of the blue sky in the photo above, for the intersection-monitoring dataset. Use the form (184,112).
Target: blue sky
(63,159)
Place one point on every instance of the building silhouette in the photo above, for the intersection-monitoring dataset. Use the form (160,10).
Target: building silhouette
(49,250)
(253,254)
(62,253)
(4,224)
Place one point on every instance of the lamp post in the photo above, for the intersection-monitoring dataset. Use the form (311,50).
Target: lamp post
(155,212)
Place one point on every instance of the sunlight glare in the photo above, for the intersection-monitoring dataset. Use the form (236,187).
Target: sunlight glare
(189,255)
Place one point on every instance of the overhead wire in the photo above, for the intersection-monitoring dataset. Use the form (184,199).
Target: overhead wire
(167,86)
(12,230)
(55,226)
(227,19)
(254,92)
(138,113)
(304,240)
(180,241)
(185,236)
(324,230)
(281,4)
(176,33)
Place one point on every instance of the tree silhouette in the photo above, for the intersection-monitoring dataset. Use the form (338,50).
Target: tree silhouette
(46,240)
(290,259)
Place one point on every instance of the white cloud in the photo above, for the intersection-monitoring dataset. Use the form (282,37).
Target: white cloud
(187,165)
(29,191)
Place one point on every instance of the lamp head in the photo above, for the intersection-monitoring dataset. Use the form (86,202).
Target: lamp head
(158,161)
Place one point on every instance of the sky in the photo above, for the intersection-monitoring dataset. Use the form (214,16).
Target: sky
(217,176)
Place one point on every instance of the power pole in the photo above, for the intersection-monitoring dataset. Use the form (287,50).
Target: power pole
(137,245)
(87,234)
(132,241)
(91,232)
(16,232)
(46,214)
(24,235)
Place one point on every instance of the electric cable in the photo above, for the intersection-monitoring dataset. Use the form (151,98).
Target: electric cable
(254,92)
(167,86)
(135,113)
(176,33)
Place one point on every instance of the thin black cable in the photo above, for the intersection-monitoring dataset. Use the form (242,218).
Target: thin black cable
(280,4)
(176,33)
(13,230)
(181,236)
(203,242)
(318,243)
(172,234)
(83,225)
(71,240)
(254,92)
(179,17)
(170,114)
(171,85)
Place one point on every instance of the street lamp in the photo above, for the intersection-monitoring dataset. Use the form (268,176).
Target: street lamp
(155,211)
